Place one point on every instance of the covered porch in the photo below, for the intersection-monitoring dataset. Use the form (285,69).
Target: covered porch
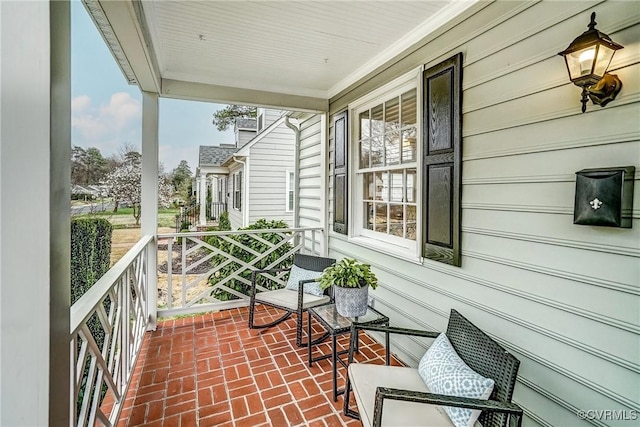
(563,298)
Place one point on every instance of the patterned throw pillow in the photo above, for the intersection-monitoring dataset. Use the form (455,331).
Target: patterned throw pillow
(445,373)
(296,274)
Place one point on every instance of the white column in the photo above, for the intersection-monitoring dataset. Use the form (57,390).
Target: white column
(149,201)
(35,151)
(324,184)
(214,191)
(203,198)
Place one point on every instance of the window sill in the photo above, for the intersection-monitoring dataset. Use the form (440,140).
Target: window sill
(400,252)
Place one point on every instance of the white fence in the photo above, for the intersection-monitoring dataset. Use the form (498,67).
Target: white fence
(107,327)
(207,271)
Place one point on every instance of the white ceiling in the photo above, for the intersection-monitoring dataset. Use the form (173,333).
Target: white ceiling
(303,48)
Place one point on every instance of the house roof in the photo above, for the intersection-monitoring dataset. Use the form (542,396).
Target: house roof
(211,155)
(287,54)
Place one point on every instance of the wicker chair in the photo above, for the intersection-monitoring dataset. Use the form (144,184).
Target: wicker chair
(287,300)
(379,386)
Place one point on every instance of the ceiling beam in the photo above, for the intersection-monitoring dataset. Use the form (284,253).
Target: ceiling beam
(233,95)
(130,43)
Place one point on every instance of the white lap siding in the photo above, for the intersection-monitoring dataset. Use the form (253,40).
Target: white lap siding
(271,158)
(564,298)
(311,178)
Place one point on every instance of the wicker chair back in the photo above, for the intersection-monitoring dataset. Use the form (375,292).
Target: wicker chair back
(486,357)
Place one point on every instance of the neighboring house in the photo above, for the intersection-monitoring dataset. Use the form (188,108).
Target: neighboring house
(256,179)
(210,159)
(79,192)
(89,191)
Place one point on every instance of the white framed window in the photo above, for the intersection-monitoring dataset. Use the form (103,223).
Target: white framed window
(237,190)
(384,168)
(260,122)
(290,191)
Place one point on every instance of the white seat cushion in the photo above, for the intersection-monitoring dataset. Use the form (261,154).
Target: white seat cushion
(289,299)
(365,378)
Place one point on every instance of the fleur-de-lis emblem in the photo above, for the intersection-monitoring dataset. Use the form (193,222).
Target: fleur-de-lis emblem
(595,204)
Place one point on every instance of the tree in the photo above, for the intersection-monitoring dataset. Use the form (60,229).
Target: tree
(125,185)
(224,118)
(182,173)
(87,166)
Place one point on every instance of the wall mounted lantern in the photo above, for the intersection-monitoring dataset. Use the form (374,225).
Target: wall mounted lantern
(587,59)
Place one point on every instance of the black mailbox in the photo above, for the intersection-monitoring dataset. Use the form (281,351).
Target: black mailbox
(604,197)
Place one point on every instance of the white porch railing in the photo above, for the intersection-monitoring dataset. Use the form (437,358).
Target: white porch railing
(213,272)
(107,327)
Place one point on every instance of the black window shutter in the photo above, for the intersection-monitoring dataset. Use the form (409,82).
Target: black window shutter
(442,160)
(340,193)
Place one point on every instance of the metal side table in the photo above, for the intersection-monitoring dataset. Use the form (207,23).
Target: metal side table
(335,324)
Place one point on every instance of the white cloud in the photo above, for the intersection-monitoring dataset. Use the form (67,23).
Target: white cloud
(80,103)
(106,126)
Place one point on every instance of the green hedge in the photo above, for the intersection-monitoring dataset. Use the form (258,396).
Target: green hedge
(90,253)
(236,251)
(90,259)
(223,223)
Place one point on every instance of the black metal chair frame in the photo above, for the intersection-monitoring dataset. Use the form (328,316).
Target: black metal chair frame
(308,262)
(479,351)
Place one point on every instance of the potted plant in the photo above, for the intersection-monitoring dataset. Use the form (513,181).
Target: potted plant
(351,281)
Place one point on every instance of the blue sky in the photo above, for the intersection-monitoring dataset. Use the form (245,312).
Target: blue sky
(107,111)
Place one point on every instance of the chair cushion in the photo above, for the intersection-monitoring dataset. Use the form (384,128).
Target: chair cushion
(444,372)
(366,377)
(289,299)
(297,273)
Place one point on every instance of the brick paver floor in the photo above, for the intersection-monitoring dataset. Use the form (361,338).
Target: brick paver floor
(212,370)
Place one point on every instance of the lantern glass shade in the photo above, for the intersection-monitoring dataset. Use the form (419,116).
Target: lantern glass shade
(587,65)
(589,55)
(603,59)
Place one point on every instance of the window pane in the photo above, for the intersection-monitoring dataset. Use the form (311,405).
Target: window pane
(392,147)
(397,187)
(381,218)
(409,145)
(368,215)
(409,108)
(411,185)
(382,186)
(365,162)
(396,220)
(411,222)
(291,181)
(364,125)
(377,151)
(392,115)
(377,120)
(369,191)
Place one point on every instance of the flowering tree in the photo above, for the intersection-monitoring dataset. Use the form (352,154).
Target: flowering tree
(125,185)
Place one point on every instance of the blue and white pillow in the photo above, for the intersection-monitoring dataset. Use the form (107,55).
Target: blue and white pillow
(445,372)
(296,274)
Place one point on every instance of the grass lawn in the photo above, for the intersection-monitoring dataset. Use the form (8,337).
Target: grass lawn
(124,217)
(123,239)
